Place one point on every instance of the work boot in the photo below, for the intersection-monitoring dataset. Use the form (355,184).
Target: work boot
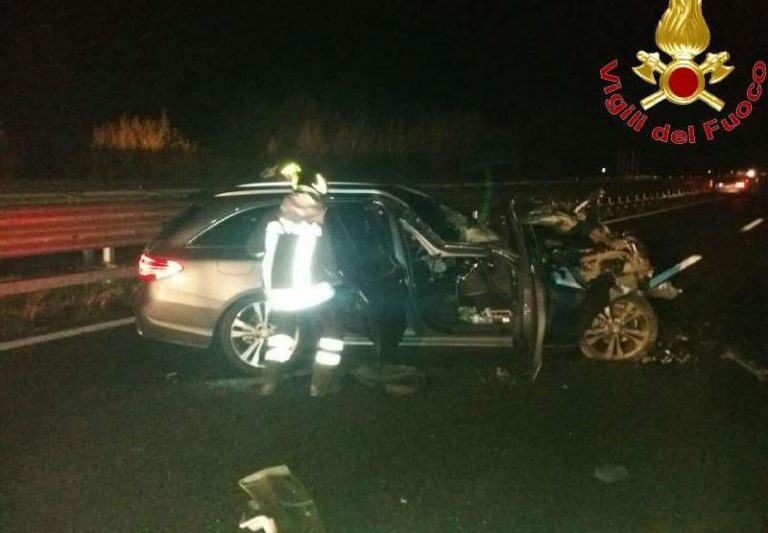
(270,378)
(322,375)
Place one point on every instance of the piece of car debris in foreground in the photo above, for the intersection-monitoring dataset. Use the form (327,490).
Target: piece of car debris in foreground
(282,503)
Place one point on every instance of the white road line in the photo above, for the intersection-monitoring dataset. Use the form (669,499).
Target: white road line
(760,372)
(752,225)
(660,211)
(38,339)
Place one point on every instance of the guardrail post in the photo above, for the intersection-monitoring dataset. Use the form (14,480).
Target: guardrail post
(89,258)
(108,256)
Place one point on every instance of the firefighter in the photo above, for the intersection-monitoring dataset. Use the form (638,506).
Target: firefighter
(299,273)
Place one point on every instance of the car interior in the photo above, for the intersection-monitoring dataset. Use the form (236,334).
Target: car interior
(453,295)
(462,294)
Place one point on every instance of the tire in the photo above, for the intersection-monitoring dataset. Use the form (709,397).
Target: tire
(242,335)
(624,331)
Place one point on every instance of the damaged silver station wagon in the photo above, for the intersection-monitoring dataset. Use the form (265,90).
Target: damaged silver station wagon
(415,272)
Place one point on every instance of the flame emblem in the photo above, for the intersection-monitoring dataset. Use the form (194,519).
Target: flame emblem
(683,34)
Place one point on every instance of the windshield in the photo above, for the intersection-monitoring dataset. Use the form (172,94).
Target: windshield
(446,222)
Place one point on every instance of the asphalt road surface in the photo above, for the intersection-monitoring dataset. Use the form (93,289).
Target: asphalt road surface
(96,436)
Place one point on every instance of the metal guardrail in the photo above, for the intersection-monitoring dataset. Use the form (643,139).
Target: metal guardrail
(58,223)
(41,230)
(75,197)
(620,203)
(622,196)
(59,281)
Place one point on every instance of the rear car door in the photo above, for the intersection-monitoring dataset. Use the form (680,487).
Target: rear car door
(226,257)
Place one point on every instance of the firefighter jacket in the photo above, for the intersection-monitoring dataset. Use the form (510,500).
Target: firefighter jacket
(299,266)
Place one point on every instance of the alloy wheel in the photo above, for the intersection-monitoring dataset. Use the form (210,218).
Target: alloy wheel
(623,331)
(249,332)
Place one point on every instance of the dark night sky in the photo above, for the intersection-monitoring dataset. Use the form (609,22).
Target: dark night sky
(530,68)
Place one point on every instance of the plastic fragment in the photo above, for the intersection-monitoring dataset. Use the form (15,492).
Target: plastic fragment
(611,473)
(502,374)
(282,501)
(398,380)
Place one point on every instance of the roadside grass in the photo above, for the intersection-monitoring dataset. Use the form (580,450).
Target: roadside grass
(37,313)
(147,134)
(157,150)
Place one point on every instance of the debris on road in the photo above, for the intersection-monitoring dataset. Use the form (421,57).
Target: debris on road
(667,356)
(673,351)
(399,380)
(760,372)
(503,375)
(665,291)
(233,384)
(610,473)
(282,502)
(259,524)
(687,338)
(498,374)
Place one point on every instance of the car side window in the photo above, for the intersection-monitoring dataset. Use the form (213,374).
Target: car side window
(188,214)
(243,230)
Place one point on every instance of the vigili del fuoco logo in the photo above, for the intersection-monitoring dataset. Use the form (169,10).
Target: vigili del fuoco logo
(682,34)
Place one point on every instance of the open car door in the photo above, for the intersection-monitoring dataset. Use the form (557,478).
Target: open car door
(531,320)
(375,293)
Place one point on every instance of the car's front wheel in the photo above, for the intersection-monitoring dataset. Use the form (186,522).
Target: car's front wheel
(243,332)
(623,332)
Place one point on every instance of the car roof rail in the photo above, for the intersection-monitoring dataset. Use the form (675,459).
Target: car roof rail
(279,187)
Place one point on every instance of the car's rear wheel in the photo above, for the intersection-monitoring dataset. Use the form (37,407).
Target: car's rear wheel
(243,332)
(624,331)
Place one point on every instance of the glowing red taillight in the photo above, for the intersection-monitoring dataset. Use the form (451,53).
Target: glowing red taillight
(154,268)
(741,184)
